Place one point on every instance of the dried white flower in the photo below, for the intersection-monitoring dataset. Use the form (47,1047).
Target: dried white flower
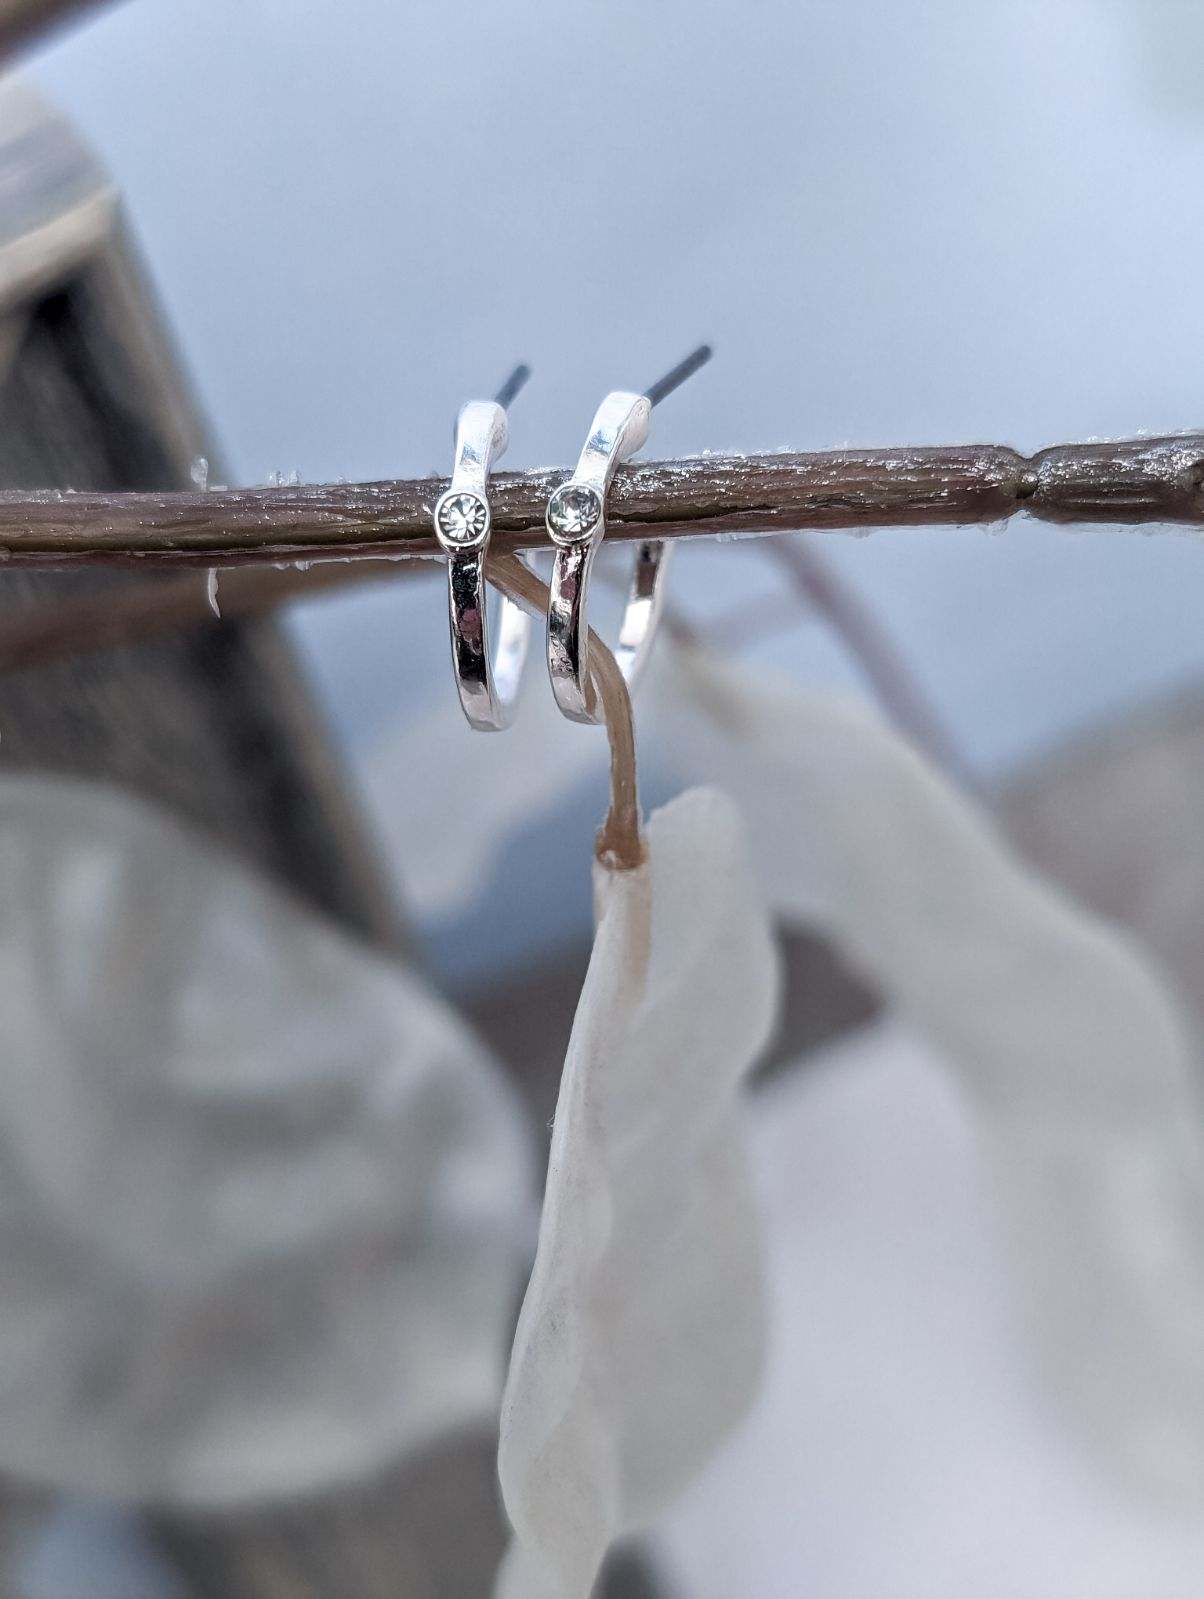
(262,1195)
(640,1340)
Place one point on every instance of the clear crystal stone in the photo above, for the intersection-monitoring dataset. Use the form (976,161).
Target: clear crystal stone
(573,510)
(462,518)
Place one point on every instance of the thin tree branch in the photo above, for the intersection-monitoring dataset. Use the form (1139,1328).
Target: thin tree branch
(620,842)
(1143,480)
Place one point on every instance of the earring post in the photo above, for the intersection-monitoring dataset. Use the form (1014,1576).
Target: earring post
(512,387)
(676,376)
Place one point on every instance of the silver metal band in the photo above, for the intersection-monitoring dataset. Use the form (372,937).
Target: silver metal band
(487,687)
(576,519)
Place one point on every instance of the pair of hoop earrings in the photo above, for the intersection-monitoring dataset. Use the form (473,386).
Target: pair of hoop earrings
(576,522)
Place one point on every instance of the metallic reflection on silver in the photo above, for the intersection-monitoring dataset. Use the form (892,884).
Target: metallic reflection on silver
(488,689)
(619,429)
(576,521)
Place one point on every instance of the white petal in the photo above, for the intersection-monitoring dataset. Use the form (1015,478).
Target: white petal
(259,1177)
(1066,1042)
(640,1340)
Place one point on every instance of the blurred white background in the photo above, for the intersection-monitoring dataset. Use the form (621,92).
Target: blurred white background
(928,223)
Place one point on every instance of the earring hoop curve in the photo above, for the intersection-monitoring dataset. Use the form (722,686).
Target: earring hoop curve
(576,521)
(488,688)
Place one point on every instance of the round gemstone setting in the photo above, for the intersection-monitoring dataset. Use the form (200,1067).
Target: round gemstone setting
(574,510)
(462,518)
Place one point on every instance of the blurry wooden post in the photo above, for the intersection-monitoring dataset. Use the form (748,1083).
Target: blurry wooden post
(214,723)
(22,22)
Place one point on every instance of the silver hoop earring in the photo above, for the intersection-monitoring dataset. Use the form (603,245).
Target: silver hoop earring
(576,522)
(488,688)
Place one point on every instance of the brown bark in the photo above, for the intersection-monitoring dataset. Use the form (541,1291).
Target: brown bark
(1139,481)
